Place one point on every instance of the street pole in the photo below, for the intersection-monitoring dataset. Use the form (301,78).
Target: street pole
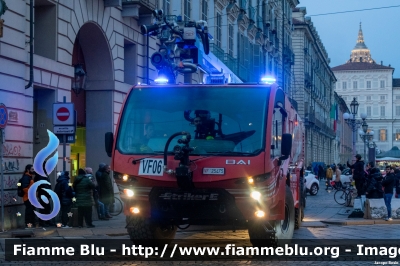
(2,137)
(64,145)
(354,128)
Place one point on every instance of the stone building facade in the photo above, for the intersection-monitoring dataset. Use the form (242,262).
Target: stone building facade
(375,90)
(314,89)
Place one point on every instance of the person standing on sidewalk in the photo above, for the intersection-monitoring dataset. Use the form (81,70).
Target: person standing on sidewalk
(388,184)
(26,183)
(83,187)
(65,194)
(329,175)
(106,190)
(97,202)
(358,174)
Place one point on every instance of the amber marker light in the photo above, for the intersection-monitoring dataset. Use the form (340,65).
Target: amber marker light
(125,177)
(250,180)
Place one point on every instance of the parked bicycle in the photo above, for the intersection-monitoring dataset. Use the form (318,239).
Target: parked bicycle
(344,195)
(116,208)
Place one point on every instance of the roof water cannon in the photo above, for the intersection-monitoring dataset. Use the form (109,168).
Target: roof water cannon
(178,52)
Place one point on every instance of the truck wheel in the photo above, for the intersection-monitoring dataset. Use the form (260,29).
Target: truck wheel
(274,233)
(140,229)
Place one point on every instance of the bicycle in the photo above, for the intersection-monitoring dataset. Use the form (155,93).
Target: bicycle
(116,208)
(344,195)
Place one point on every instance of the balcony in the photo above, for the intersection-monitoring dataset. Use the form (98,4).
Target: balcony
(217,51)
(231,63)
(136,8)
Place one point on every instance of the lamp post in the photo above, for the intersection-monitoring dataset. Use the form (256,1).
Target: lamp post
(353,122)
(365,136)
(79,82)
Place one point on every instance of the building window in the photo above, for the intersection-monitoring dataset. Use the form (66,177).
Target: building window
(230,40)
(383,97)
(397,110)
(219,30)
(397,97)
(354,84)
(368,98)
(204,10)
(382,135)
(382,110)
(397,135)
(382,84)
(344,85)
(166,6)
(186,10)
(368,84)
(369,113)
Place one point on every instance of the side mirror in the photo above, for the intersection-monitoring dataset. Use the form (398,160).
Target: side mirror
(109,139)
(286,146)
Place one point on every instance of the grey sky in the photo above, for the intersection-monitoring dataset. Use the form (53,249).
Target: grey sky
(339,32)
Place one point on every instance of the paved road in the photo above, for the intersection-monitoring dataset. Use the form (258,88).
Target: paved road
(320,207)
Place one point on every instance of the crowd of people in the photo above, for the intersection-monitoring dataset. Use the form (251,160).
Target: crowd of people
(87,190)
(368,179)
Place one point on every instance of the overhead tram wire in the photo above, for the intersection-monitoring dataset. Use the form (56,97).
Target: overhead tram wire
(351,11)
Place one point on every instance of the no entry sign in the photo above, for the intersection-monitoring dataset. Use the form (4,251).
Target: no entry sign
(63,114)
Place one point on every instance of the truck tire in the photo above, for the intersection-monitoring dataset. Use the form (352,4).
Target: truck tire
(274,233)
(141,229)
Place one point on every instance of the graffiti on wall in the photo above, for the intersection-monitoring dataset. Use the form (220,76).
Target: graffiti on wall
(11,149)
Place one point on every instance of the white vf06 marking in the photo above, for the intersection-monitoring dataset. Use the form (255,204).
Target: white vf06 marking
(151,167)
(230,161)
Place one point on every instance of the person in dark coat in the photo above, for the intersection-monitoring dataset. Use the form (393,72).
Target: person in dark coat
(65,194)
(26,183)
(388,183)
(83,187)
(46,206)
(96,196)
(397,183)
(106,190)
(358,174)
(321,172)
(374,182)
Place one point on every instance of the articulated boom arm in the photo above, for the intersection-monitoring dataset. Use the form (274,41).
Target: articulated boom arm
(177,52)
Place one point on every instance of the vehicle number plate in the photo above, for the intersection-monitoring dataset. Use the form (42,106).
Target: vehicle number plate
(151,167)
(213,171)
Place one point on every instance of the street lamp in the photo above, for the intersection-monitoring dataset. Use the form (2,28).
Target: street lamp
(365,136)
(79,82)
(353,122)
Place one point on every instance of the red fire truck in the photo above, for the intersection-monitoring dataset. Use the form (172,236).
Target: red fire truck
(228,154)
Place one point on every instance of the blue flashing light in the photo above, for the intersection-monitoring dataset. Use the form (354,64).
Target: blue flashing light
(161,80)
(268,80)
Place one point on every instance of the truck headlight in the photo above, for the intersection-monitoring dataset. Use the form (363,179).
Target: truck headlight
(256,195)
(129,192)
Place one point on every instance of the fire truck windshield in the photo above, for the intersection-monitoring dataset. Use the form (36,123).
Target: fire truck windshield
(221,119)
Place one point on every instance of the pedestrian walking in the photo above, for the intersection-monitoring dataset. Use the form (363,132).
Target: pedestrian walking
(388,183)
(99,205)
(329,176)
(106,190)
(65,194)
(27,181)
(83,187)
(358,174)
(321,172)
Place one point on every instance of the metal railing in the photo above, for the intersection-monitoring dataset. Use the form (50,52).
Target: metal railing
(149,4)
(231,63)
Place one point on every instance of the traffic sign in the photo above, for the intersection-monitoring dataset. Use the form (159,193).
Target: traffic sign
(63,114)
(3,116)
(64,130)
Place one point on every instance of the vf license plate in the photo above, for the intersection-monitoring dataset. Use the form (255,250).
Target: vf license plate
(213,171)
(151,167)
